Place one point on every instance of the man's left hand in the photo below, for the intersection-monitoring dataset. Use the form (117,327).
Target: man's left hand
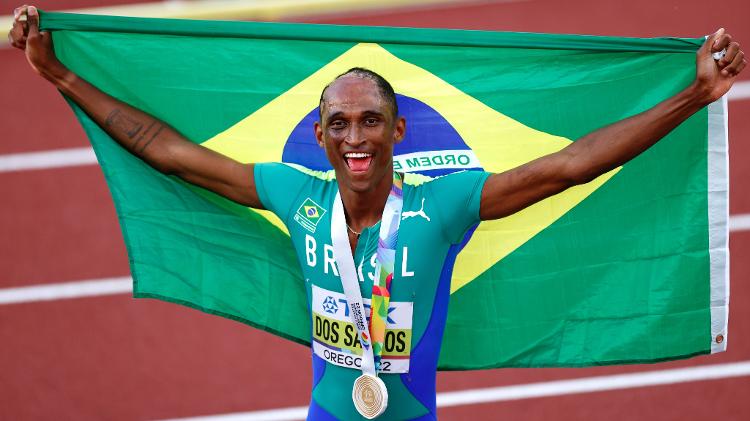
(714,77)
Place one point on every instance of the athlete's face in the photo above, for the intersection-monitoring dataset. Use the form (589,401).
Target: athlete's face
(358,132)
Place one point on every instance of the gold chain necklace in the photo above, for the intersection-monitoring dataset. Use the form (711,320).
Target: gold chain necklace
(354,232)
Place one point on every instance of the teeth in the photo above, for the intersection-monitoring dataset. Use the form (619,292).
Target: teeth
(356,155)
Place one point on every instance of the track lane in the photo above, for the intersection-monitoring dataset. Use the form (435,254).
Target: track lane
(634,18)
(719,399)
(117,358)
(58,225)
(739,152)
(170,378)
(35,116)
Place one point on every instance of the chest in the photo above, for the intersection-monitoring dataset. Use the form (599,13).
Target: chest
(420,256)
(320,268)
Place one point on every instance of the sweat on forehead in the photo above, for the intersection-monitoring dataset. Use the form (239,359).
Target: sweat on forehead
(385,88)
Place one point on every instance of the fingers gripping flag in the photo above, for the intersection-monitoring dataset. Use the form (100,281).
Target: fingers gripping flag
(631,267)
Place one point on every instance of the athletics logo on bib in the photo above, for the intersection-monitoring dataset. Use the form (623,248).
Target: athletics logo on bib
(335,336)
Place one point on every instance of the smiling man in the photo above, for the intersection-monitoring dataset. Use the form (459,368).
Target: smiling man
(370,240)
(360,235)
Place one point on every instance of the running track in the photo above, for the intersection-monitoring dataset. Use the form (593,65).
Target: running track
(112,357)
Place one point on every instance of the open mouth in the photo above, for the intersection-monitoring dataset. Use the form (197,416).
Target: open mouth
(358,161)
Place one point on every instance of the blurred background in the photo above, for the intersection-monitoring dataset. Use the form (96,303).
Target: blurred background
(75,345)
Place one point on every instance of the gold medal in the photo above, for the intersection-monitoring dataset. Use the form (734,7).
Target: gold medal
(370,396)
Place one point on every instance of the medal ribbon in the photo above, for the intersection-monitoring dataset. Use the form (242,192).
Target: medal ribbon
(386,259)
(371,337)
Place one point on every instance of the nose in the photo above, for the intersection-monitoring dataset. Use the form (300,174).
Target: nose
(354,137)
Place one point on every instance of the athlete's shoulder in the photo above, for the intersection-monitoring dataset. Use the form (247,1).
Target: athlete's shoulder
(281,185)
(296,170)
(443,181)
(416,180)
(450,202)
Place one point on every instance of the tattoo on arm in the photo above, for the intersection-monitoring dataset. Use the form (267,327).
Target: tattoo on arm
(153,136)
(120,122)
(143,134)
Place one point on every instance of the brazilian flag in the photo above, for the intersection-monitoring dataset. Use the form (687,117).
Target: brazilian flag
(631,267)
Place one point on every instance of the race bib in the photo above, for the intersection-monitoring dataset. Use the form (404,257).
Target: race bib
(335,338)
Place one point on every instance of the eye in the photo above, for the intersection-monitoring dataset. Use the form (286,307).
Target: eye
(337,125)
(371,121)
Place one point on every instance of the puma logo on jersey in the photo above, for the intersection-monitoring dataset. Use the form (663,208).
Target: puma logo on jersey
(420,212)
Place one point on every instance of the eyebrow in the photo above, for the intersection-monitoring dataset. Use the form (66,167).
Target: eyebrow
(366,113)
(334,116)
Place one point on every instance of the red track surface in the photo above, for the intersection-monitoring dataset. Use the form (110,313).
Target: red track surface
(118,358)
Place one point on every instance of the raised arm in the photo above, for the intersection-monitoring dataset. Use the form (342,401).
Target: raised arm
(150,139)
(609,147)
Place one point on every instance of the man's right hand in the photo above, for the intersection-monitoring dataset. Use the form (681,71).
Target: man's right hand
(25,35)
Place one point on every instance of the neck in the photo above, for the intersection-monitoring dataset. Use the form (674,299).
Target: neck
(364,209)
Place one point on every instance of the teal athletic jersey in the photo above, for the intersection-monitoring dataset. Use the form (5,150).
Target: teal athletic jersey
(436,216)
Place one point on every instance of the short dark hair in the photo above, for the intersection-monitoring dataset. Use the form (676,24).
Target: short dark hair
(385,88)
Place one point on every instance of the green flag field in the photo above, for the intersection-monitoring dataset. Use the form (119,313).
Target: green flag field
(631,267)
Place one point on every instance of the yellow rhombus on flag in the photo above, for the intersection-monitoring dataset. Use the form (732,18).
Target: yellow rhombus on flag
(499,142)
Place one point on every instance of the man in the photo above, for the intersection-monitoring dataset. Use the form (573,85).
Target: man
(359,125)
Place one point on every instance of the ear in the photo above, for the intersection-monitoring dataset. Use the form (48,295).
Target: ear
(319,134)
(399,130)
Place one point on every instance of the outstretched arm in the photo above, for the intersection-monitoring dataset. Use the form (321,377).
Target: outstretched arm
(609,147)
(150,139)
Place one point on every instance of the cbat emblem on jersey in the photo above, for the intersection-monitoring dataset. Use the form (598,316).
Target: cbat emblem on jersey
(309,214)
(412,214)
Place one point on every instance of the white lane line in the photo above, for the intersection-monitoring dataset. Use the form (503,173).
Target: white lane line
(91,288)
(283,414)
(529,391)
(739,222)
(122,285)
(595,384)
(740,90)
(47,159)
